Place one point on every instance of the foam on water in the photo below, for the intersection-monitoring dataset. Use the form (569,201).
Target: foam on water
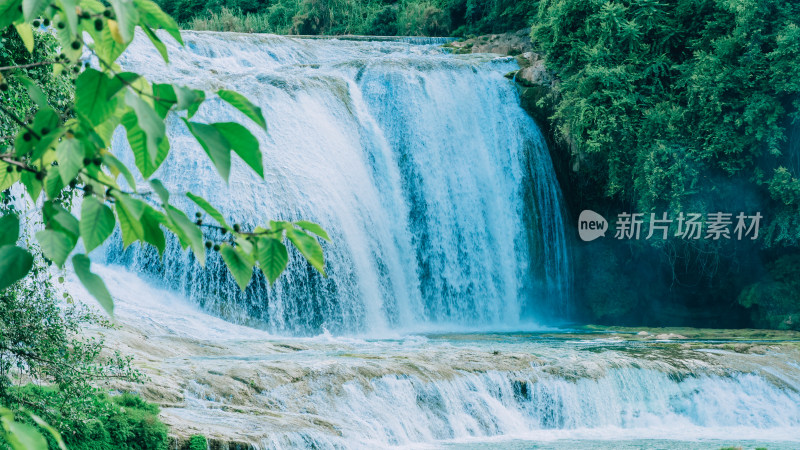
(239,384)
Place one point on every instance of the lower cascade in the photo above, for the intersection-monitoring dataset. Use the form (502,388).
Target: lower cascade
(436,187)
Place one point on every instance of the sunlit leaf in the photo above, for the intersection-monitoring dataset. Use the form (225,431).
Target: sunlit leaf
(149,122)
(33,8)
(97,223)
(243,143)
(313,228)
(49,428)
(244,105)
(272,257)
(7,179)
(93,283)
(239,263)
(127,17)
(188,233)
(154,17)
(215,145)
(162,49)
(70,156)
(23,436)
(308,247)
(117,166)
(138,142)
(55,245)
(208,208)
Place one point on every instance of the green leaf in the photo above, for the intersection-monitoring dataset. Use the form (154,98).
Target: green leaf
(7,179)
(244,105)
(33,8)
(215,145)
(70,154)
(97,223)
(153,235)
(22,436)
(32,185)
(208,208)
(53,184)
(154,17)
(26,34)
(149,122)
(240,264)
(138,142)
(309,248)
(9,12)
(59,219)
(93,283)
(188,233)
(91,96)
(313,228)
(160,190)
(189,99)
(119,81)
(272,257)
(127,17)
(55,246)
(15,263)
(45,118)
(9,229)
(53,432)
(162,49)
(34,91)
(131,228)
(68,8)
(107,47)
(118,167)
(243,143)
(165,98)
(277,225)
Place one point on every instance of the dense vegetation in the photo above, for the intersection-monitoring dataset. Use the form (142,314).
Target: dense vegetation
(55,146)
(362,17)
(49,367)
(681,106)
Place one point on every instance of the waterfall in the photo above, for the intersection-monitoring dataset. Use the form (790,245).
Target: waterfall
(435,186)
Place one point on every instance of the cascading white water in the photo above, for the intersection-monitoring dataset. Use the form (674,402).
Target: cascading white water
(435,185)
(236,384)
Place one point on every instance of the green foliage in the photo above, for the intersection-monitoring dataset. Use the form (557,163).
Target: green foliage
(122,422)
(57,146)
(681,105)
(774,301)
(41,341)
(363,17)
(198,442)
